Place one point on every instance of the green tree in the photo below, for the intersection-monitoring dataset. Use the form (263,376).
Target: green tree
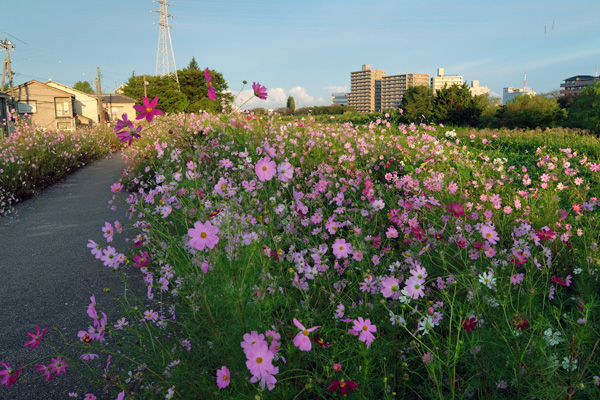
(454,105)
(83,86)
(291,104)
(487,106)
(417,103)
(193,64)
(585,111)
(533,111)
(191,95)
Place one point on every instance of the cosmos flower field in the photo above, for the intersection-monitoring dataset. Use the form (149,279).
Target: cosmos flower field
(291,259)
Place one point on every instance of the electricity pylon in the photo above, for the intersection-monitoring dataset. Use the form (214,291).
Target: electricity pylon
(165,59)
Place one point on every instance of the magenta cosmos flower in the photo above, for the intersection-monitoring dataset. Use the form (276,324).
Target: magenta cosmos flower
(223,377)
(341,248)
(126,131)
(148,110)
(259,91)
(57,365)
(343,385)
(203,235)
(265,169)
(301,340)
(9,375)
(36,338)
(365,328)
(211,89)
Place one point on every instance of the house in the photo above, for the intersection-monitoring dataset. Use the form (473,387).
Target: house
(574,85)
(115,105)
(5,107)
(49,107)
(85,106)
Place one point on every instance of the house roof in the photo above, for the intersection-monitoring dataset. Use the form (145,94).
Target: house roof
(582,78)
(4,95)
(67,87)
(117,98)
(16,90)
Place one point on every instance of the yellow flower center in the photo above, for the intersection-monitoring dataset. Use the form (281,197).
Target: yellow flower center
(365,328)
(259,360)
(224,377)
(203,235)
(148,109)
(342,384)
(341,247)
(305,332)
(264,168)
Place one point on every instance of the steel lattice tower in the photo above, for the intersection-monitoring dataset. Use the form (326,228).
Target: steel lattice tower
(165,59)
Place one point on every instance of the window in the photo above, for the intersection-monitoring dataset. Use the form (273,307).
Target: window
(27,107)
(63,107)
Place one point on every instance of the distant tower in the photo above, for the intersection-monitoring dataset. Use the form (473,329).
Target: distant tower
(165,60)
(6,45)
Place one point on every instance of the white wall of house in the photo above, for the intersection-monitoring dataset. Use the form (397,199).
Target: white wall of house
(85,104)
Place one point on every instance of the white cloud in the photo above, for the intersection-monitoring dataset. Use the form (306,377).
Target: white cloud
(336,89)
(277,97)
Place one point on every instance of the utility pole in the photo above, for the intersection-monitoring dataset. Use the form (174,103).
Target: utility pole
(6,45)
(165,59)
(101,117)
(145,84)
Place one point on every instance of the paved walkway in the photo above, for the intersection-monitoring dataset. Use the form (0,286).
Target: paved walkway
(47,274)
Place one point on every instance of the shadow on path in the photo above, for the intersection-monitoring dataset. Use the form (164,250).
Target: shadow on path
(47,274)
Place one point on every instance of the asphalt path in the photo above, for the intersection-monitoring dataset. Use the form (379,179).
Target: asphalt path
(47,275)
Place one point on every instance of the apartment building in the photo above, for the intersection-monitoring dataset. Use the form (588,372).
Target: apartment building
(477,90)
(438,82)
(509,93)
(362,96)
(574,85)
(339,98)
(393,88)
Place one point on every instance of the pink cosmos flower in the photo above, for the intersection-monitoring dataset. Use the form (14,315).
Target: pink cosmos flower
(390,287)
(203,235)
(301,340)
(9,375)
(251,339)
(341,248)
(259,91)
(337,367)
(141,260)
(89,396)
(427,358)
(456,209)
(223,377)
(515,279)
(489,234)
(108,232)
(286,171)
(414,287)
(36,338)
(147,110)
(265,169)
(57,365)
(211,89)
(260,359)
(365,328)
(116,187)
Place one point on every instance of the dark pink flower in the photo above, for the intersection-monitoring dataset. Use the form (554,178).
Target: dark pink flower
(9,375)
(147,110)
(57,365)
(129,132)
(46,370)
(343,385)
(259,91)
(211,89)
(36,338)
(141,260)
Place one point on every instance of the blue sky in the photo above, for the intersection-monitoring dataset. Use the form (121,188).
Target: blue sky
(307,48)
